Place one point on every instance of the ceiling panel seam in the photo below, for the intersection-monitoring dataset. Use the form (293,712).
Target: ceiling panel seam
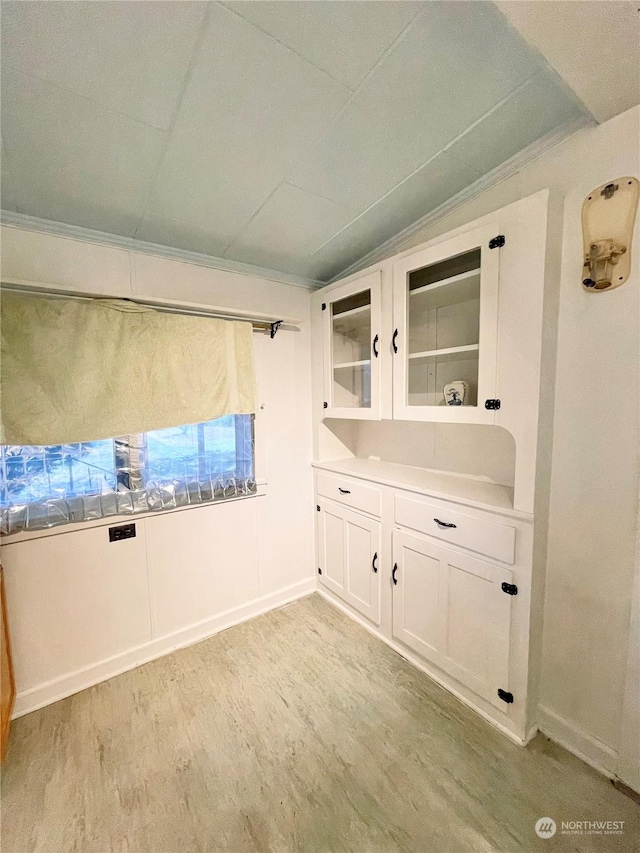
(389,49)
(306,192)
(347,93)
(253,216)
(282,44)
(399,38)
(400,241)
(316,194)
(94,103)
(185,83)
(352,94)
(443,150)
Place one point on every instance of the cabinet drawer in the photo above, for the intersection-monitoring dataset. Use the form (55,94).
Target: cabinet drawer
(477,534)
(350,492)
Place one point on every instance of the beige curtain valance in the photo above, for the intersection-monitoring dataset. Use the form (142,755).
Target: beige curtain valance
(83,370)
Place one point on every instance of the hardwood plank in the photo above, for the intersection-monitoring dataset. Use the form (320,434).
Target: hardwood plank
(295,731)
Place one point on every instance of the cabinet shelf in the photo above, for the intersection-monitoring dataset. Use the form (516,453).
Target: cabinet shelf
(346,364)
(451,280)
(448,354)
(356,321)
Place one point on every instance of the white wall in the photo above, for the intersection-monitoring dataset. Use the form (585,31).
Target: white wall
(81,608)
(594,475)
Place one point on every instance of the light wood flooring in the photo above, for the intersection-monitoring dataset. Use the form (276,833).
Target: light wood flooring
(297,731)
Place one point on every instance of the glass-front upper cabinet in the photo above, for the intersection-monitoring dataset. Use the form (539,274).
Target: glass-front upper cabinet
(351,333)
(445,330)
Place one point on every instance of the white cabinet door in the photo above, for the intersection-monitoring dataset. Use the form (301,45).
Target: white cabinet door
(445,308)
(352,349)
(419,584)
(451,608)
(349,557)
(331,548)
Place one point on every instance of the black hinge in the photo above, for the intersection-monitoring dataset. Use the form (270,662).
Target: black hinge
(492,404)
(497,242)
(318,507)
(325,405)
(509,588)
(320,572)
(324,306)
(506,697)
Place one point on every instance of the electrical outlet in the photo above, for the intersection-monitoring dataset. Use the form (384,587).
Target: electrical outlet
(123,531)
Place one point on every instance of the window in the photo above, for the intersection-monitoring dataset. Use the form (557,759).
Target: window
(44,486)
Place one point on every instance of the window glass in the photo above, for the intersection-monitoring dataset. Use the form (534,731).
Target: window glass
(70,470)
(196,451)
(163,469)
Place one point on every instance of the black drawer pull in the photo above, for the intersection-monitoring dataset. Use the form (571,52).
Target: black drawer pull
(443,523)
(375,345)
(344,491)
(373,563)
(393,341)
(393,574)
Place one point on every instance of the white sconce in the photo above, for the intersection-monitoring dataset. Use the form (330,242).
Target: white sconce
(608,217)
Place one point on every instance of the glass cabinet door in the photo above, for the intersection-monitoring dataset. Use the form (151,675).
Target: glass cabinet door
(352,349)
(445,310)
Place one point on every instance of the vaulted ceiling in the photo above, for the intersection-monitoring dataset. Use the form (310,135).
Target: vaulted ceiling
(296,136)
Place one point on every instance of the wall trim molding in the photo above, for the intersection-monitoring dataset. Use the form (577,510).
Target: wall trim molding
(392,246)
(584,746)
(130,244)
(73,682)
(398,243)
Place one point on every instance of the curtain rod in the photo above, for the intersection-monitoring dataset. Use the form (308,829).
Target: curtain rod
(271,326)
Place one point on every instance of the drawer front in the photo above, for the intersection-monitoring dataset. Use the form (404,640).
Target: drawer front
(352,493)
(477,534)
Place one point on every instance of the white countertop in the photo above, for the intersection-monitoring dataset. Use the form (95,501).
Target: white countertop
(472,491)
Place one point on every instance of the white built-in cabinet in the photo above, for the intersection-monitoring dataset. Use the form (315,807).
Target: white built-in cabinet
(445,317)
(447,585)
(440,326)
(351,320)
(450,607)
(446,567)
(349,549)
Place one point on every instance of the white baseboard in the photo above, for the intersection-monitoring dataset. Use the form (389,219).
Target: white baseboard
(419,664)
(583,745)
(74,682)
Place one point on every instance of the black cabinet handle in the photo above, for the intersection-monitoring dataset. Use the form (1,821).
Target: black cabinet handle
(344,491)
(375,348)
(443,523)
(393,340)
(393,574)
(373,563)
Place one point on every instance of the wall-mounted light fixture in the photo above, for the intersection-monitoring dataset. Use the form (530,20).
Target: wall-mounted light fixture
(608,217)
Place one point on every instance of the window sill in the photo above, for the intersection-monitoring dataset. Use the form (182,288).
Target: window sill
(131,518)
